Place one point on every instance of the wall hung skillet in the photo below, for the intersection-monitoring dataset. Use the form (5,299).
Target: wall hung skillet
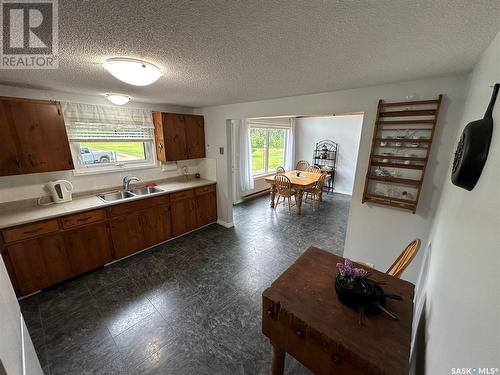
(472,149)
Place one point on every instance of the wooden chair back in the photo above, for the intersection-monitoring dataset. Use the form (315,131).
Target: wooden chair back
(404,259)
(321,181)
(282,184)
(314,169)
(302,165)
(280,170)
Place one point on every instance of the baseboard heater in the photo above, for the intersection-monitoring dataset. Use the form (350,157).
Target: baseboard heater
(256,194)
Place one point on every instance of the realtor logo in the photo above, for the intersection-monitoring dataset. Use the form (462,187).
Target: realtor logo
(29,34)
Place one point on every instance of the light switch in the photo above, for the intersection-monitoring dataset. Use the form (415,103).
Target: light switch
(221,150)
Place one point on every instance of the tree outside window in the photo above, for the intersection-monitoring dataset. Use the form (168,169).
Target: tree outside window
(268,149)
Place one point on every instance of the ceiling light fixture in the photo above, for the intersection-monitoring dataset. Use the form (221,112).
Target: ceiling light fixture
(117,99)
(132,71)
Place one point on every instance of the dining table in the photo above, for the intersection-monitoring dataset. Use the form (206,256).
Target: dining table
(298,183)
(303,316)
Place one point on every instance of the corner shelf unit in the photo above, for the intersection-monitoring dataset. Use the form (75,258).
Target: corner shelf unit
(401,145)
(325,157)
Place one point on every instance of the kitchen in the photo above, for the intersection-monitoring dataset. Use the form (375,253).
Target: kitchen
(127,246)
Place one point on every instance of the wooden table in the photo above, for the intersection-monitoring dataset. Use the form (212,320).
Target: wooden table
(307,180)
(302,316)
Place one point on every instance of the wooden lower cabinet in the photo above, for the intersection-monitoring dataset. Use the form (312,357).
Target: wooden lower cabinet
(88,247)
(206,208)
(183,216)
(39,263)
(156,227)
(139,230)
(126,233)
(44,253)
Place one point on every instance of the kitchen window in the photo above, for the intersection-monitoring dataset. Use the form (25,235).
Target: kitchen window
(106,139)
(268,145)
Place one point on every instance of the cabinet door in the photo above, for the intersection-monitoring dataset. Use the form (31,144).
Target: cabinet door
(183,216)
(39,135)
(174,133)
(155,225)
(195,136)
(39,263)
(126,232)
(159,136)
(206,208)
(10,157)
(88,247)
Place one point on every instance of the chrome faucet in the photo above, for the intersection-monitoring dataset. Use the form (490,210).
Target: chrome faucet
(127,180)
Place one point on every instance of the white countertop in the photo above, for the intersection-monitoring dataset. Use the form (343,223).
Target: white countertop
(24,215)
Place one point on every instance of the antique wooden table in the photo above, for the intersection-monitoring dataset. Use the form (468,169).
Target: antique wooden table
(306,180)
(303,317)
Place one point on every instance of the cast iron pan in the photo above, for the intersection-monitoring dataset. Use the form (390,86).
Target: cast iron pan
(473,147)
(366,297)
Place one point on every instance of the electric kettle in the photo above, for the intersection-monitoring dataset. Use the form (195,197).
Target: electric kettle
(60,190)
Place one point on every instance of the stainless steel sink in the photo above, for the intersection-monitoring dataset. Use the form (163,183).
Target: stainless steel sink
(115,195)
(122,194)
(145,190)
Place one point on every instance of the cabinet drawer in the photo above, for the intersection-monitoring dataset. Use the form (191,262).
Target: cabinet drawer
(125,208)
(186,194)
(30,230)
(83,218)
(204,190)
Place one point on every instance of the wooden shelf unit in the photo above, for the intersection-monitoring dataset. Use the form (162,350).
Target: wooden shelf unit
(391,118)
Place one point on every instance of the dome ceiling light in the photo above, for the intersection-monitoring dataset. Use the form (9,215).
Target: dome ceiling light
(132,71)
(117,99)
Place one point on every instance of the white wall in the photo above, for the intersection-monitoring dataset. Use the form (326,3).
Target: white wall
(375,234)
(463,293)
(32,185)
(11,348)
(345,131)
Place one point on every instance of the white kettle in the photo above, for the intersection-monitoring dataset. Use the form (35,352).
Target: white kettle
(60,190)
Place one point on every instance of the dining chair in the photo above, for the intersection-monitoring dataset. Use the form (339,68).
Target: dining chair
(280,170)
(284,190)
(404,259)
(302,165)
(314,169)
(314,193)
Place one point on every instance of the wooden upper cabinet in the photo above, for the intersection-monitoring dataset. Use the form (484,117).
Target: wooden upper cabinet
(32,137)
(178,136)
(159,138)
(195,135)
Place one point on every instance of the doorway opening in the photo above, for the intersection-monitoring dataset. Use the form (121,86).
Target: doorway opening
(260,145)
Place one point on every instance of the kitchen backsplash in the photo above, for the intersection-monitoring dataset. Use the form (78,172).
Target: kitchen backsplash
(13,188)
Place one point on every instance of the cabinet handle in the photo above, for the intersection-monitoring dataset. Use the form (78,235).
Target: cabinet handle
(160,146)
(299,333)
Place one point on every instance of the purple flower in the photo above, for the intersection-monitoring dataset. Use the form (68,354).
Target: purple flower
(346,269)
(359,272)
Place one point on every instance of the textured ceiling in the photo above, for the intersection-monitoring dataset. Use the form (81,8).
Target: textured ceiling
(226,51)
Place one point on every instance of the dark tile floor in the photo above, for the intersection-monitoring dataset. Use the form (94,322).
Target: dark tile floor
(190,306)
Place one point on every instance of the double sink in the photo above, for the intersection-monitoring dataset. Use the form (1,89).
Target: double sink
(125,194)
